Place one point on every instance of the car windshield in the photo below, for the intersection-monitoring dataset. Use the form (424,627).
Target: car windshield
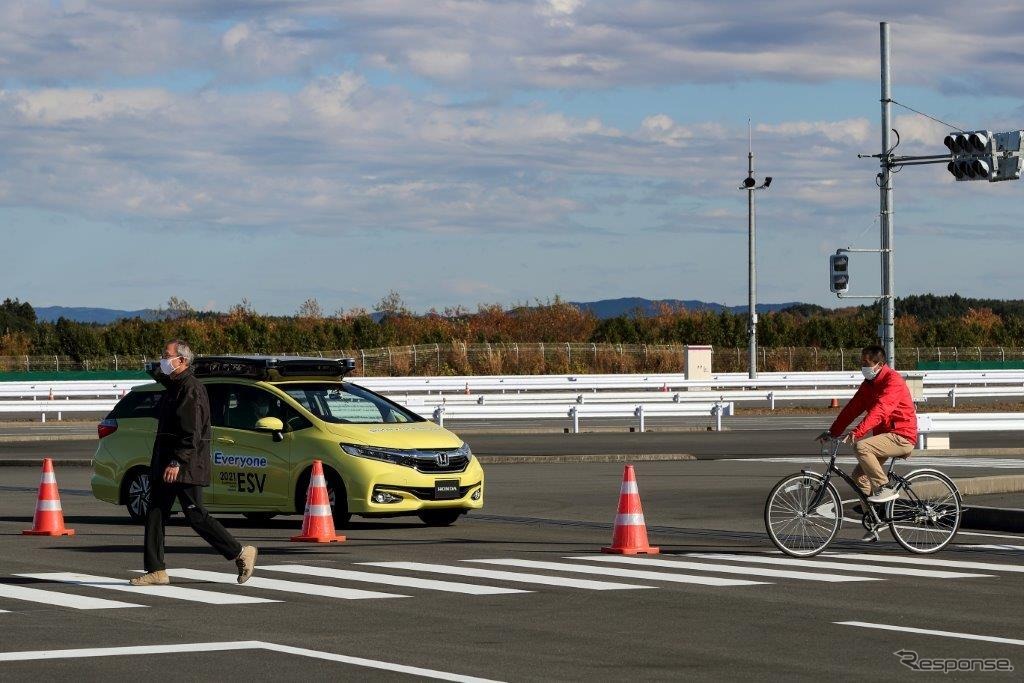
(347,404)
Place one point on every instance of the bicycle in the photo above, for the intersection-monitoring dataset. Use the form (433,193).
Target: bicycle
(803,512)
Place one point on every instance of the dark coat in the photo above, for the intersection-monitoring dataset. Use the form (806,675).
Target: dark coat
(183,430)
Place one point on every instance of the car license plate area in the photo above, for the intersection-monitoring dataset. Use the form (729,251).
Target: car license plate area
(446,489)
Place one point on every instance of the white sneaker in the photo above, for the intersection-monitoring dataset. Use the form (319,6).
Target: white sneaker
(870,537)
(883,495)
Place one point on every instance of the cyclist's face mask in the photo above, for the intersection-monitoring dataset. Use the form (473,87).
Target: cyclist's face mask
(871,371)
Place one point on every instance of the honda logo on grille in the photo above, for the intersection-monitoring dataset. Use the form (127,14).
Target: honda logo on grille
(442,459)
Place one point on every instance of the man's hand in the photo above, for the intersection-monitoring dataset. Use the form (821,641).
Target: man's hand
(171,473)
(823,437)
(848,437)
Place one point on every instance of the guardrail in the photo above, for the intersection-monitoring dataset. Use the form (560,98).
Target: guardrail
(577,412)
(961,380)
(934,428)
(58,407)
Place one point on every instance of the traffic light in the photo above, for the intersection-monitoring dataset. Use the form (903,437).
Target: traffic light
(983,155)
(974,155)
(839,273)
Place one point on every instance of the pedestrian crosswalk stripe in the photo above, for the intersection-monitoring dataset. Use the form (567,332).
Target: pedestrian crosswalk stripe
(175,592)
(837,566)
(59,599)
(390,579)
(725,569)
(959,564)
(621,573)
(520,577)
(283,586)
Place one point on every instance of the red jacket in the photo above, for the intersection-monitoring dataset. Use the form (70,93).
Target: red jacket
(889,406)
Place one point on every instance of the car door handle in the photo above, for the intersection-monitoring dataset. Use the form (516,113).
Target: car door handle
(224,439)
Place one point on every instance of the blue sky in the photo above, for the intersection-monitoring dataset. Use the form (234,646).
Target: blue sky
(464,152)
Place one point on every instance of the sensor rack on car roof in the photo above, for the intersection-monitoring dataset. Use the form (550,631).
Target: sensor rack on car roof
(268,367)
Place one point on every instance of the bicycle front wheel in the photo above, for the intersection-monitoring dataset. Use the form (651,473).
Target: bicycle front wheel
(792,525)
(926,516)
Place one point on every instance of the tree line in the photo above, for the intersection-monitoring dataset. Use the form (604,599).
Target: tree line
(924,321)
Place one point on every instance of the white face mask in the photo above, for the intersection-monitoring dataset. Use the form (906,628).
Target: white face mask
(166,367)
(870,372)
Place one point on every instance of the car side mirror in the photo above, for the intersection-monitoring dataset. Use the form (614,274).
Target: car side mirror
(272,425)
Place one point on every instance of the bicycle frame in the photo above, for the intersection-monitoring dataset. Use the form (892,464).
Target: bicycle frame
(900,484)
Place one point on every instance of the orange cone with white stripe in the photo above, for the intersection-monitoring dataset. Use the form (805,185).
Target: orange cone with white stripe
(318,522)
(629,536)
(49,518)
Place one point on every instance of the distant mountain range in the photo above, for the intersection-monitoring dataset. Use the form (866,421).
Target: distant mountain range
(612,308)
(91,315)
(603,309)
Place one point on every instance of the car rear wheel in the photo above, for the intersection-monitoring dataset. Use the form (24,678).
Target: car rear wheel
(440,517)
(136,494)
(335,495)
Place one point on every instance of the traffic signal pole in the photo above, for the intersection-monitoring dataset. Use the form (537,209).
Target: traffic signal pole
(888,336)
(751,264)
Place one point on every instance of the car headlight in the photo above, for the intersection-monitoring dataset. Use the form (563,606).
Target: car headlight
(395,457)
(406,458)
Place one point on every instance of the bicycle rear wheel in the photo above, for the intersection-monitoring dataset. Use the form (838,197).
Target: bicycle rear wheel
(926,516)
(793,527)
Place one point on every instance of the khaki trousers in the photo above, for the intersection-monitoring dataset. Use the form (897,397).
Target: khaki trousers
(872,453)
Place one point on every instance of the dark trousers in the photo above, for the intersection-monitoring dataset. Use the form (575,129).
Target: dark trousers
(161,499)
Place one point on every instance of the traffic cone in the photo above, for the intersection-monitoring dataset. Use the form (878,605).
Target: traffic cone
(50,397)
(834,403)
(629,536)
(49,518)
(467,389)
(664,387)
(318,522)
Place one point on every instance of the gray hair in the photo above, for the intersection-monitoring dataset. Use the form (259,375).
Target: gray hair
(183,349)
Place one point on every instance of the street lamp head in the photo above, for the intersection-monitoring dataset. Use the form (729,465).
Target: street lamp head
(767,182)
(749,182)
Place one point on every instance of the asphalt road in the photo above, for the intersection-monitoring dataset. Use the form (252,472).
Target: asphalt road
(670,628)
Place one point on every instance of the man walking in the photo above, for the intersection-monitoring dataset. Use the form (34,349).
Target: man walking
(891,418)
(180,468)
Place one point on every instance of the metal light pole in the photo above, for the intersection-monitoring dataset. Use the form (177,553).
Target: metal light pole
(885,189)
(750,185)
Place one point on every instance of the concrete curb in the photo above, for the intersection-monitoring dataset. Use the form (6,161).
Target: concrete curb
(993,519)
(980,486)
(46,437)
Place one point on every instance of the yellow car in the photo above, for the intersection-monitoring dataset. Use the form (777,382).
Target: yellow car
(271,418)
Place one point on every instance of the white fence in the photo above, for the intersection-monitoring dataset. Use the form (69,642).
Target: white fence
(934,428)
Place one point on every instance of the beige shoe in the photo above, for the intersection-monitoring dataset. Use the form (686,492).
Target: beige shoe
(246,563)
(157,578)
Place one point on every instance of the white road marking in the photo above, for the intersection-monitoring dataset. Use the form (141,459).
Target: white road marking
(284,586)
(932,632)
(175,592)
(621,573)
(959,564)
(839,566)
(991,547)
(390,579)
(975,533)
(59,599)
(726,569)
(518,577)
(189,648)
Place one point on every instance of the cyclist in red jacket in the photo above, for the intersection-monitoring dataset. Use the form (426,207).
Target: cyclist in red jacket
(891,419)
